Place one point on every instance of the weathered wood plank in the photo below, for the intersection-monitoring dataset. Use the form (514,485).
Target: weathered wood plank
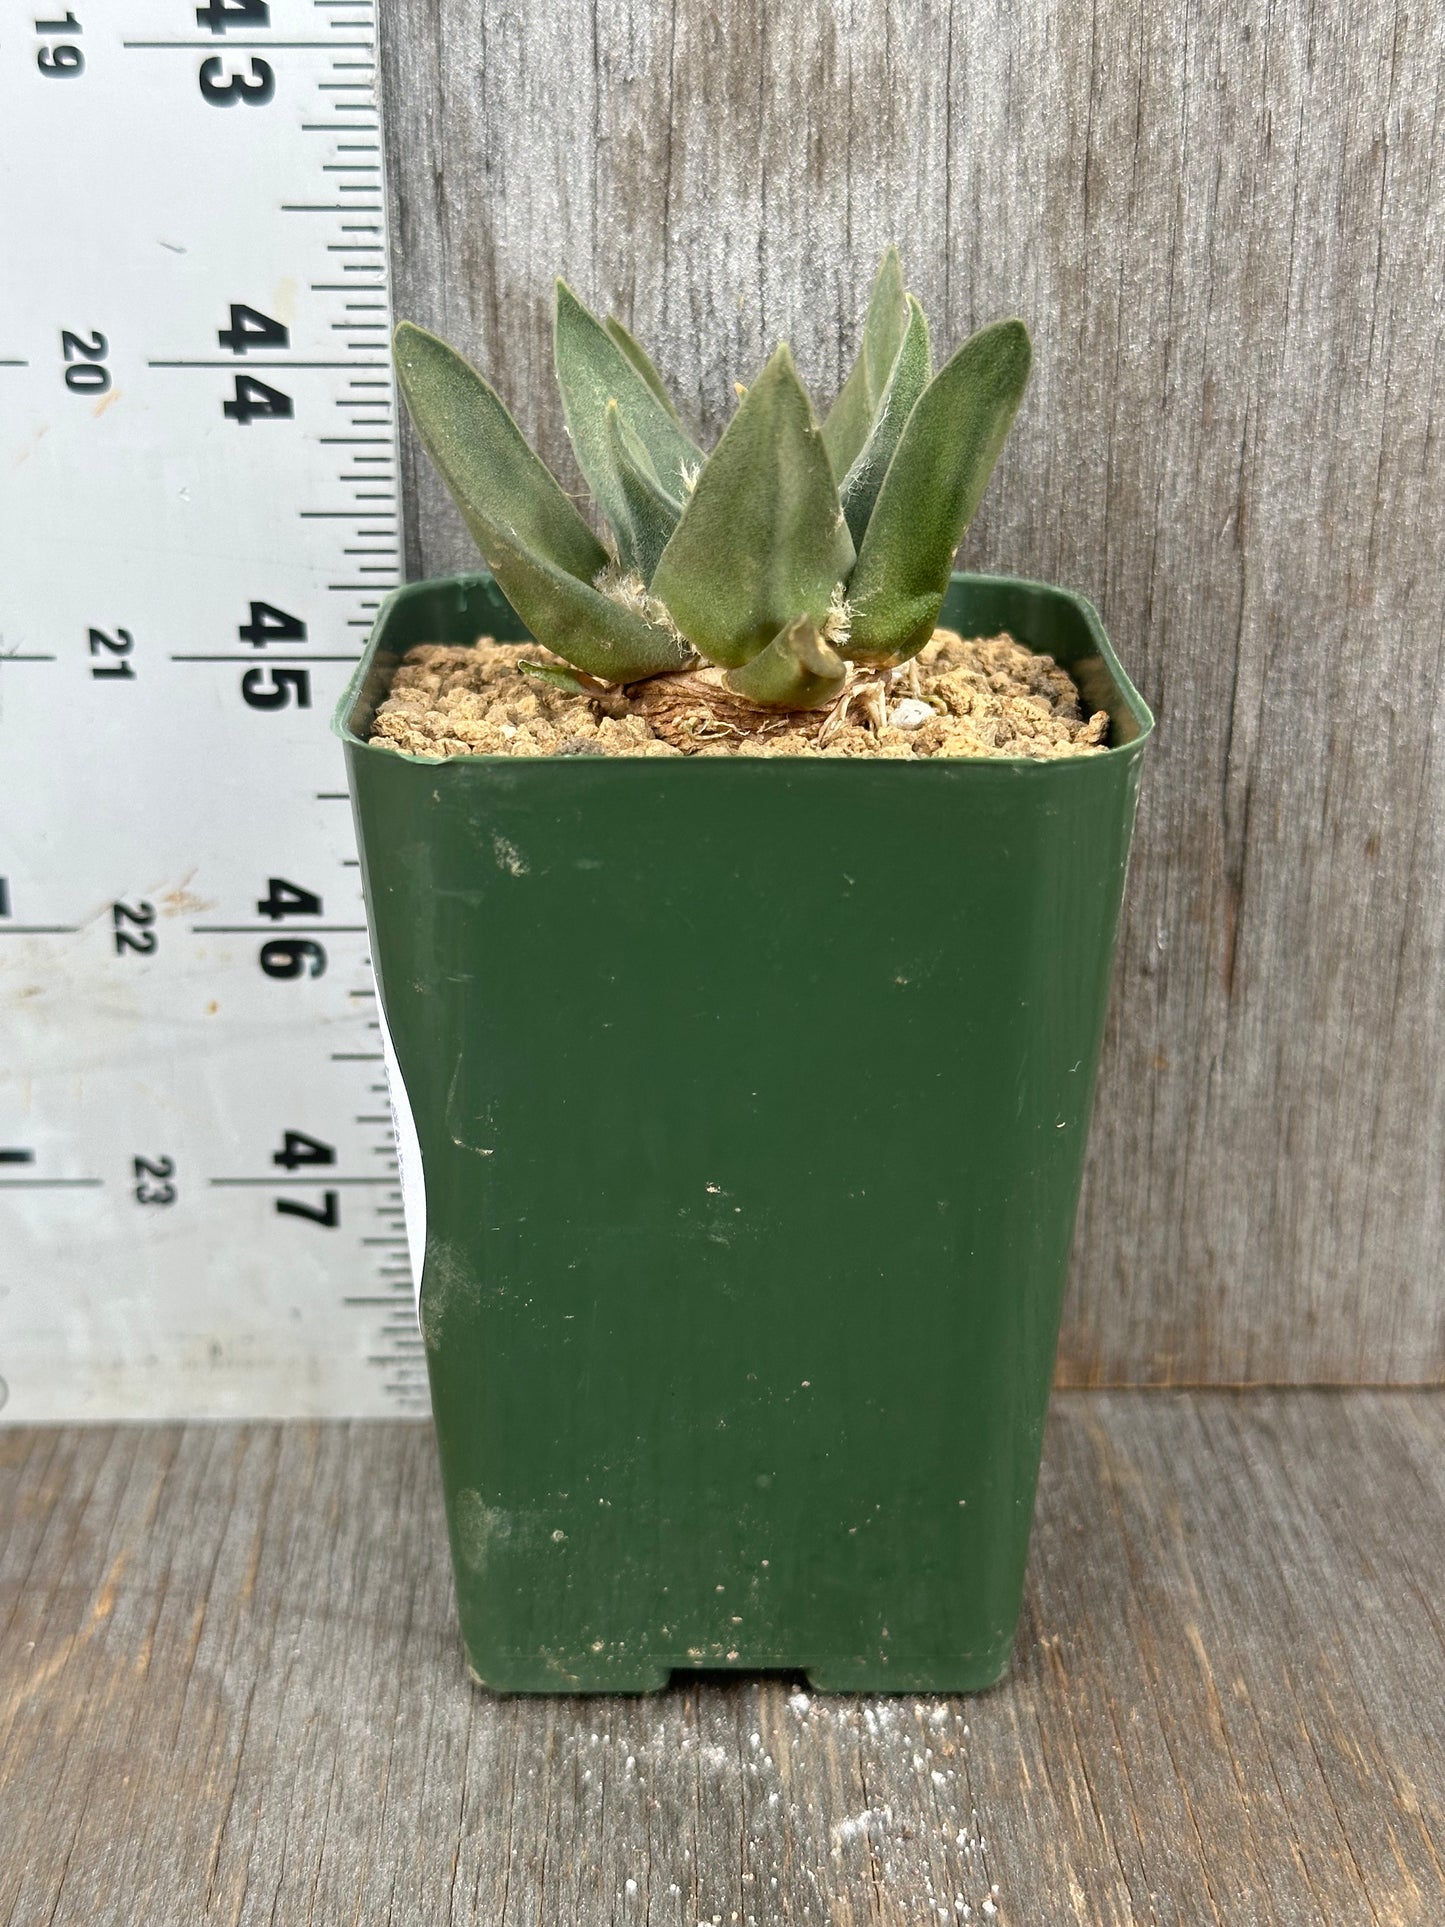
(1224,227)
(231,1690)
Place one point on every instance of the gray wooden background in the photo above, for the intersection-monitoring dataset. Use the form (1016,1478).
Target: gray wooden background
(1226,228)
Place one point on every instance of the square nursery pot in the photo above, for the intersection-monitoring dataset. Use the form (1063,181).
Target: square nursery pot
(750,1098)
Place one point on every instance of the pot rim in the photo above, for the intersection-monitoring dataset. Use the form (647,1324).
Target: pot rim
(354,698)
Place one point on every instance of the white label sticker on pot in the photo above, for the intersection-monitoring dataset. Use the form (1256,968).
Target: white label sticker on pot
(408,1157)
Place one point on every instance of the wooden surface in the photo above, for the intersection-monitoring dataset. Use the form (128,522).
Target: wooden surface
(231,1690)
(1224,227)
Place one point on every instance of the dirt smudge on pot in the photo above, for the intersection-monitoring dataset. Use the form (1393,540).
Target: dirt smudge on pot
(479,1526)
(448,1281)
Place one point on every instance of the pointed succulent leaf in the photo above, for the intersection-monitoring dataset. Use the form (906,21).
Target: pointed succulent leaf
(592,370)
(762,537)
(797,670)
(641,361)
(912,369)
(576,620)
(846,428)
(939,471)
(886,322)
(647,514)
(494,477)
(542,553)
(851,415)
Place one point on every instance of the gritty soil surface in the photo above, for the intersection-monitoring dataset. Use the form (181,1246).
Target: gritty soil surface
(979,697)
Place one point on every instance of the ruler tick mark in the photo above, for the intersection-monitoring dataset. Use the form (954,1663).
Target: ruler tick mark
(276,1183)
(236,656)
(251,364)
(55,1184)
(259,46)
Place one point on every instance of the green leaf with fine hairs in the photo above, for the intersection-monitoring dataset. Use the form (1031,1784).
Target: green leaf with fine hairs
(887,318)
(597,635)
(647,514)
(846,429)
(483,457)
(555,677)
(851,416)
(641,361)
(797,670)
(592,370)
(912,369)
(762,537)
(934,483)
(542,553)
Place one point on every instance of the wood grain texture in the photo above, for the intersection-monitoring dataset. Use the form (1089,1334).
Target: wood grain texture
(231,1690)
(1224,227)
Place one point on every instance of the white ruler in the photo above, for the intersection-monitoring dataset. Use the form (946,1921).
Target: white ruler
(199,516)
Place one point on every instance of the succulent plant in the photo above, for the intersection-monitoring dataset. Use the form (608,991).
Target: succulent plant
(786,552)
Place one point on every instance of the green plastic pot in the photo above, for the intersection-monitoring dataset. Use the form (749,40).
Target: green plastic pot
(751,1098)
